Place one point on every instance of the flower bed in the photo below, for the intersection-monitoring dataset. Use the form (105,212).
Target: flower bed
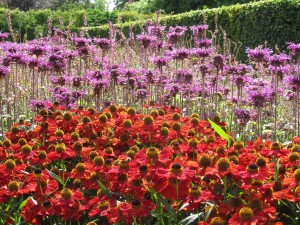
(118,166)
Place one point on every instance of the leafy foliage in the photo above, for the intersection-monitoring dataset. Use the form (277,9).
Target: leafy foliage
(272,22)
(175,6)
(34,23)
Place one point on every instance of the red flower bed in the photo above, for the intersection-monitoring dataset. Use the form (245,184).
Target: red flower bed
(118,166)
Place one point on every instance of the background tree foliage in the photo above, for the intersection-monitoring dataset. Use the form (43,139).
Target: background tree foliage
(26,5)
(173,6)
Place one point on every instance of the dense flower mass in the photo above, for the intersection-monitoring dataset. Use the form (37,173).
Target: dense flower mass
(159,127)
(118,166)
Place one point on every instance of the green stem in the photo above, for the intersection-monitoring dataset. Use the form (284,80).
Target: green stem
(225,186)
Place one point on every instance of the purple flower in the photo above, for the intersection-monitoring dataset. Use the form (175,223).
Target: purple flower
(58,80)
(184,76)
(178,29)
(56,62)
(156,30)
(146,40)
(173,37)
(253,115)
(218,61)
(103,43)
(97,75)
(278,59)
(141,93)
(115,71)
(76,82)
(280,71)
(39,104)
(160,61)
(260,96)
(173,88)
(12,47)
(242,69)
(179,54)
(242,116)
(204,43)
(16,57)
(3,36)
(294,48)
(229,70)
(80,42)
(70,54)
(294,80)
(258,54)
(204,69)
(4,71)
(78,94)
(43,64)
(33,62)
(202,52)
(58,90)
(289,95)
(148,76)
(175,33)
(37,50)
(99,84)
(241,80)
(68,98)
(198,29)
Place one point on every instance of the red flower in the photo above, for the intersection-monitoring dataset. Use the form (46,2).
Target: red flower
(252,171)
(196,197)
(153,155)
(296,140)
(68,123)
(80,172)
(67,204)
(246,216)
(34,212)
(175,182)
(99,206)
(137,208)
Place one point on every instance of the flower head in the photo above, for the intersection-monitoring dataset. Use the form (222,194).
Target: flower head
(258,54)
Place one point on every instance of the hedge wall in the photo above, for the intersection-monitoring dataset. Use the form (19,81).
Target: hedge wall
(273,21)
(34,23)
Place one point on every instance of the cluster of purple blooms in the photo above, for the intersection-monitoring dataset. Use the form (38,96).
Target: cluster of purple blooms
(78,67)
(242,116)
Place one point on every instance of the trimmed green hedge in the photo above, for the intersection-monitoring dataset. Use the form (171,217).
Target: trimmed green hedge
(273,21)
(34,23)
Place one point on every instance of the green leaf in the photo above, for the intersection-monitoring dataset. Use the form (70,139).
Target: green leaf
(167,205)
(277,166)
(23,203)
(220,131)
(56,177)
(104,189)
(190,219)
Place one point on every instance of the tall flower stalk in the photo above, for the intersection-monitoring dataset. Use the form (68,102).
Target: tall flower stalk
(276,61)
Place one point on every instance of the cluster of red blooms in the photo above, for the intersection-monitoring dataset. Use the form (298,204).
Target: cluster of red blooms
(81,165)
